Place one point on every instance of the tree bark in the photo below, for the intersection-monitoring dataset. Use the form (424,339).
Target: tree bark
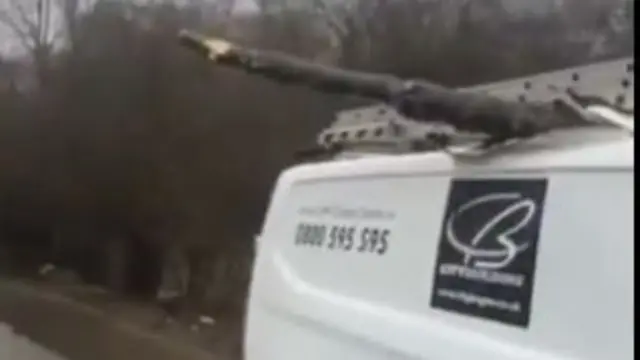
(419,100)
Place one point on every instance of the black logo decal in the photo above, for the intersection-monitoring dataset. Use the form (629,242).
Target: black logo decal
(487,250)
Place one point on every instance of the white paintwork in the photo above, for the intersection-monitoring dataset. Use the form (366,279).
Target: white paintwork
(16,347)
(316,305)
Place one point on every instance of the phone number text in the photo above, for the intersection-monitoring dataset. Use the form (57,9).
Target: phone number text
(360,239)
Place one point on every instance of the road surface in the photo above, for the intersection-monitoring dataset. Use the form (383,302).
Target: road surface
(77,332)
(16,347)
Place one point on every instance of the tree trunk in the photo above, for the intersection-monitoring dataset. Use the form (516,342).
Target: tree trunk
(197,283)
(117,256)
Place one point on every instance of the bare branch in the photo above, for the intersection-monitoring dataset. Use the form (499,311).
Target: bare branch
(30,25)
(45,21)
(419,100)
(223,12)
(321,7)
(69,9)
(23,36)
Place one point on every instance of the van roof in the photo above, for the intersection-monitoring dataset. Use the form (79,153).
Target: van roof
(603,148)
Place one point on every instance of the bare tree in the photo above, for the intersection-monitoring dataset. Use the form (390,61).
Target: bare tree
(70,13)
(31,23)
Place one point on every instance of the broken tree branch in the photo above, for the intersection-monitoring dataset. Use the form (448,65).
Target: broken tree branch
(419,100)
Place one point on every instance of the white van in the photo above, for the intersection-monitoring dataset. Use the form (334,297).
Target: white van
(522,253)
(527,254)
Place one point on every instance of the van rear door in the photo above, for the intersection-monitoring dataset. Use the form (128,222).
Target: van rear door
(425,257)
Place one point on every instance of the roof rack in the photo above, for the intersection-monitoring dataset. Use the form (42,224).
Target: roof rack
(381,129)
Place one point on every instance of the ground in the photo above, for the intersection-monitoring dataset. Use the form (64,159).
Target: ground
(83,323)
(17,347)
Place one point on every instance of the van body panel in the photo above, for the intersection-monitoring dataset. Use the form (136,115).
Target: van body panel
(425,256)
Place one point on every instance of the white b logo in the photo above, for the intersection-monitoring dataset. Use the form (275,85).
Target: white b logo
(474,254)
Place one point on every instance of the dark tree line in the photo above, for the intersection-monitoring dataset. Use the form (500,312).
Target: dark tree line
(114,140)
